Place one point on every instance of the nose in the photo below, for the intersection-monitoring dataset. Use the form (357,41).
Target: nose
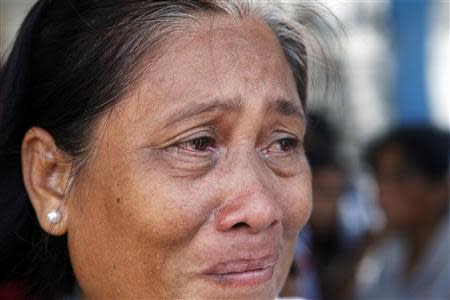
(253,212)
(251,205)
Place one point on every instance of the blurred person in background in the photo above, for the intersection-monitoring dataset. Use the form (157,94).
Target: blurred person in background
(411,258)
(323,257)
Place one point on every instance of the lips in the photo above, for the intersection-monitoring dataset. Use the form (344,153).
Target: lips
(242,272)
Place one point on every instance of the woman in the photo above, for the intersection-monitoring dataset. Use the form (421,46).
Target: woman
(153,149)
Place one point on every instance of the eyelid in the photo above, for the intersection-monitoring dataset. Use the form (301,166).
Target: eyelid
(295,141)
(277,137)
(188,135)
(183,145)
(197,135)
(188,143)
(280,135)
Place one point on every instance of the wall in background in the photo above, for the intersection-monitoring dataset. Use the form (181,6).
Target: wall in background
(12,13)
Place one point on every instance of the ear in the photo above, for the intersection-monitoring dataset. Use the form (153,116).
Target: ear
(46,174)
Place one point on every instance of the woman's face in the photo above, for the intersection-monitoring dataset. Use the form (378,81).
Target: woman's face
(198,184)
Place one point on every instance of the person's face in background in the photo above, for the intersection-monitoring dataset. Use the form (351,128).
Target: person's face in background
(198,185)
(328,187)
(407,198)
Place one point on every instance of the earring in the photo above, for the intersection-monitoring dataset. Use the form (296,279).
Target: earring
(54,216)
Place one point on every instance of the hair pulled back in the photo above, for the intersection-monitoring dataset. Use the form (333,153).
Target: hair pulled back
(72,61)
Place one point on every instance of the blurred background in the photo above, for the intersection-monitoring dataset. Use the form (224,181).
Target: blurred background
(393,62)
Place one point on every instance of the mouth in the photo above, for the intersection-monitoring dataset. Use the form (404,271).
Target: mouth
(242,272)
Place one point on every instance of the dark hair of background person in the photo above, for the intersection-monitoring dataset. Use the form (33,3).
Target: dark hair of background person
(71,62)
(425,148)
(321,143)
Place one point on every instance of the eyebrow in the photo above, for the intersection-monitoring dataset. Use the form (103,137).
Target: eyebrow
(200,108)
(287,107)
(282,106)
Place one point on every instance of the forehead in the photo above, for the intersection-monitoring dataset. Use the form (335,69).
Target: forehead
(390,155)
(218,58)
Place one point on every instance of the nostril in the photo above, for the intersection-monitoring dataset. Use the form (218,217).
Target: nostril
(240,225)
(244,225)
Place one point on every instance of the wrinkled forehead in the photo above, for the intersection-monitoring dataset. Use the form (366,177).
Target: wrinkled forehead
(220,55)
(213,40)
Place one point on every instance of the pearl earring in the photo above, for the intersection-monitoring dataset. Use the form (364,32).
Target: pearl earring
(54,216)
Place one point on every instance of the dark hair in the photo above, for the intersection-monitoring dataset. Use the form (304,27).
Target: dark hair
(73,61)
(321,143)
(425,148)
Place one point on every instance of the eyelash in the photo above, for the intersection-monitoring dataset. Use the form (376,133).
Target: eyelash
(286,146)
(198,142)
(208,144)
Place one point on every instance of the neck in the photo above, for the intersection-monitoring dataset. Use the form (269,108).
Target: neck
(419,238)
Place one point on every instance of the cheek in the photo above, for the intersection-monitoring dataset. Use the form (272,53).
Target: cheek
(140,218)
(297,206)
(166,211)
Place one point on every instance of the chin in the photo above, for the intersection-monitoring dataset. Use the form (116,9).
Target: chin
(267,291)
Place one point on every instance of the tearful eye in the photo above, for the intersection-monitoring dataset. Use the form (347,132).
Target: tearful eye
(200,144)
(282,146)
(287,144)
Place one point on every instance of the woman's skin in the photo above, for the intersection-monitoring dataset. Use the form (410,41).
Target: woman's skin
(198,184)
